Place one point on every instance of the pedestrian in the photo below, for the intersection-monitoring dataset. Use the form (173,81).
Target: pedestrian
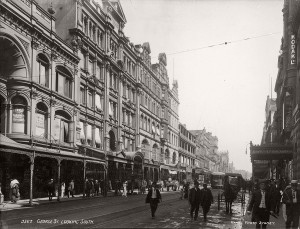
(206,200)
(144,185)
(92,187)
(87,188)
(102,184)
(63,189)
(153,197)
(261,205)
(71,189)
(51,189)
(186,188)
(97,188)
(125,188)
(276,195)
(14,190)
(194,200)
(291,198)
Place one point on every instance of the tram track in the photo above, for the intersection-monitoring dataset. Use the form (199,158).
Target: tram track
(61,212)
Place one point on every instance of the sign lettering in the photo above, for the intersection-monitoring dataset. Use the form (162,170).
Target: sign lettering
(293,49)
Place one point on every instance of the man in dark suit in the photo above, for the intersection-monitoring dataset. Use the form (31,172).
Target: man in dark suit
(206,200)
(291,198)
(153,197)
(194,199)
(261,205)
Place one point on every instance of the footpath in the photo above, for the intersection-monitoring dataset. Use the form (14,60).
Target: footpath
(275,223)
(8,205)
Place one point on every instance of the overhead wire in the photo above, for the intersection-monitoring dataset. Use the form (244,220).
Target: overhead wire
(223,43)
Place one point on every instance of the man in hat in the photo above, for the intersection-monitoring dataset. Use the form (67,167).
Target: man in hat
(51,189)
(153,197)
(206,200)
(291,198)
(261,205)
(194,199)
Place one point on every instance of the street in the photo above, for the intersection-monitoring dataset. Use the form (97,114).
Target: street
(120,212)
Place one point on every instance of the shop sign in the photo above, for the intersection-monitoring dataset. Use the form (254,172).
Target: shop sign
(56,130)
(18,120)
(40,124)
(293,49)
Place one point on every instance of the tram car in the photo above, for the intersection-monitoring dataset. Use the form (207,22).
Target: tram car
(217,180)
(236,181)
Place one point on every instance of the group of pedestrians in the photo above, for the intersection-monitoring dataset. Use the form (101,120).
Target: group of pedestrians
(52,189)
(199,197)
(94,187)
(264,203)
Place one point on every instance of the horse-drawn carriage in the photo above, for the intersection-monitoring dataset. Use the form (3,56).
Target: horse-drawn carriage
(231,185)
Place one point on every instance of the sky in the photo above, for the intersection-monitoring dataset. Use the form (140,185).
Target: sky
(222,88)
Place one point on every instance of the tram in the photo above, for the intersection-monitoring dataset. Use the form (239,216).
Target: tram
(217,180)
(236,180)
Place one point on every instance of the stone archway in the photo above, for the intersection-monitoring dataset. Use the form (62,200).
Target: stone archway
(12,61)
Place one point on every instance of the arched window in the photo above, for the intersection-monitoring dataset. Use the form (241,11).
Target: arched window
(2,115)
(63,127)
(12,61)
(145,124)
(174,158)
(112,141)
(19,115)
(155,152)
(141,121)
(41,120)
(149,125)
(146,148)
(63,82)
(42,76)
(167,156)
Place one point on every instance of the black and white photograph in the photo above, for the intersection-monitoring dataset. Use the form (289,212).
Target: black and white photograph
(149,114)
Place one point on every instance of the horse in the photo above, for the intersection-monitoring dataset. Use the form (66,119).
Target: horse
(230,196)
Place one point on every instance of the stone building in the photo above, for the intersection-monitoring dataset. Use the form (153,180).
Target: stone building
(79,100)
(187,154)
(39,110)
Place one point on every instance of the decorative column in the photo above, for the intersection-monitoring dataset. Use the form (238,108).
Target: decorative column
(117,170)
(84,175)
(58,178)
(106,108)
(31,178)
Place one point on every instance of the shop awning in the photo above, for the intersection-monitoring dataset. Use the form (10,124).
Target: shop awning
(271,152)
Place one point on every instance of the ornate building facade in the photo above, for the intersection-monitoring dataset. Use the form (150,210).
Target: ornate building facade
(79,100)
(187,153)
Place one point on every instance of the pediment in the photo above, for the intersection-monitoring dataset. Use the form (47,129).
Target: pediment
(116,5)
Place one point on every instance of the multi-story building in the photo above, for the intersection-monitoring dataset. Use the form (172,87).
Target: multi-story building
(278,156)
(208,149)
(39,109)
(79,99)
(269,131)
(224,161)
(187,153)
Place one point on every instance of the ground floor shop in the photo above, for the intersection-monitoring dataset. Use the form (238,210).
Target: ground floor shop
(33,167)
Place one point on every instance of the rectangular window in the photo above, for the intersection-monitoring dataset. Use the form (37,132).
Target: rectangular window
(98,102)
(91,67)
(42,74)
(89,134)
(90,99)
(97,138)
(82,95)
(60,83)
